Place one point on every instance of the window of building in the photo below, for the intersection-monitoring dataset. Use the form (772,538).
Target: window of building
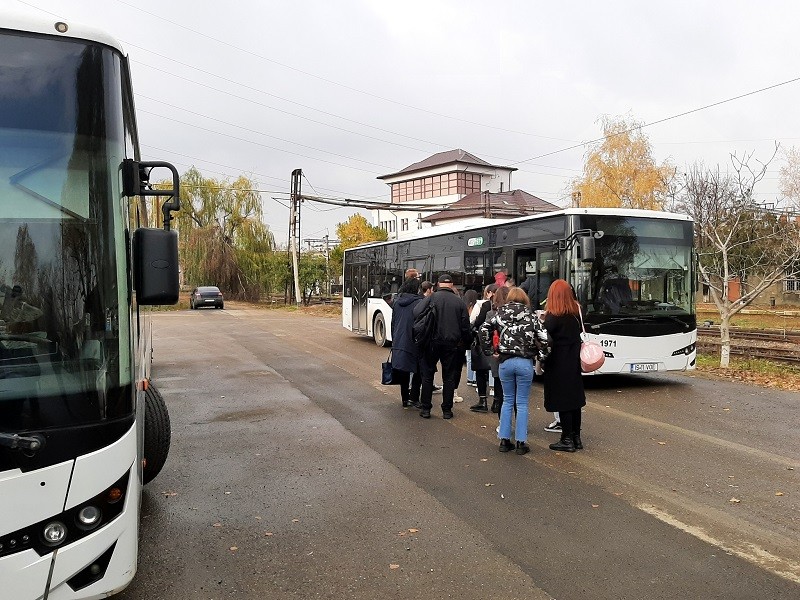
(404,225)
(435,186)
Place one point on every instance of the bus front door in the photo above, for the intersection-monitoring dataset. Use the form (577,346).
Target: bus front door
(360,295)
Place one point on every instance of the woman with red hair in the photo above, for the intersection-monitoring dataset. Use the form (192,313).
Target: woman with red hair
(563,382)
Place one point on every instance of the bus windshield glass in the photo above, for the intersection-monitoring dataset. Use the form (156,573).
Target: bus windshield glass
(65,330)
(642,267)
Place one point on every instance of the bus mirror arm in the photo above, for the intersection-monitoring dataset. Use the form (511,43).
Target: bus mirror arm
(136,182)
(584,237)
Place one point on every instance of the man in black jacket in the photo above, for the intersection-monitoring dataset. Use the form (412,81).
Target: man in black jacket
(450,341)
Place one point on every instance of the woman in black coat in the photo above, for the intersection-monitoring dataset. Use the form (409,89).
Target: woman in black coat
(563,381)
(405,354)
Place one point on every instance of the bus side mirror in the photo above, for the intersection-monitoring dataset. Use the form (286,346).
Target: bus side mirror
(587,248)
(155,266)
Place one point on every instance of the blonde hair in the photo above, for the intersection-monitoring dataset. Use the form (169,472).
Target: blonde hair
(516,294)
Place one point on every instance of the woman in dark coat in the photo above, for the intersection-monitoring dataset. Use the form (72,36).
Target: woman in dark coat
(405,354)
(480,362)
(563,381)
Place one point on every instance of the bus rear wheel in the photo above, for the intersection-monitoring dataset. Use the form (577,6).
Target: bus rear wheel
(156,433)
(379,330)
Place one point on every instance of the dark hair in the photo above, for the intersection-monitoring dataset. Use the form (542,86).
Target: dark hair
(425,286)
(499,297)
(470,298)
(410,286)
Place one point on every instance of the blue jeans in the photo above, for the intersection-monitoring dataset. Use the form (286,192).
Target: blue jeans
(516,375)
(470,372)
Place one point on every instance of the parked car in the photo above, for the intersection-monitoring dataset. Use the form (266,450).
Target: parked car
(206,295)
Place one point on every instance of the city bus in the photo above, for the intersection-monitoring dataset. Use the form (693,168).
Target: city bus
(82,428)
(632,271)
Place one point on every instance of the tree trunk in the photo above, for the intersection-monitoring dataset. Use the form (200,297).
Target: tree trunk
(725,341)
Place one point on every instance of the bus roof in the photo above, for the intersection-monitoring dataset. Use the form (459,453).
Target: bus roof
(481,223)
(18,21)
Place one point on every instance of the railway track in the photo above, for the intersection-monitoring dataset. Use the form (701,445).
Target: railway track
(776,345)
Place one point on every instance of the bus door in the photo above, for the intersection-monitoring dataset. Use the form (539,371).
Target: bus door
(534,270)
(359,298)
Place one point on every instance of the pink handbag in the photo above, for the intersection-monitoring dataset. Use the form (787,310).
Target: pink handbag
(592,355)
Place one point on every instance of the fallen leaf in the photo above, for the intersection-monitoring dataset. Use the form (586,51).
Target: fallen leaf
(217,525)
(234,548)
(502,497)
(483,426)
(258,518)
(488,484)
(731,476)
(734,501)
(268,533)
(779,493)
(412,530)
(393,566)
(227,493)
(595,505)
(295,520)
(662,443)
(484,459)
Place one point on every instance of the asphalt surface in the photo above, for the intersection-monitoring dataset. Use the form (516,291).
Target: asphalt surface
(294,474)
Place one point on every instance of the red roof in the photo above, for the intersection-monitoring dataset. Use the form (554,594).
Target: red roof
(500,205)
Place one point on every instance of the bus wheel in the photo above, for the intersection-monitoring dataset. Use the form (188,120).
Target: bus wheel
(379,330)
(156,433)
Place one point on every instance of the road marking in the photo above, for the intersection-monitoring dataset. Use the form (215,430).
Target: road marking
(769,456)
(748,551)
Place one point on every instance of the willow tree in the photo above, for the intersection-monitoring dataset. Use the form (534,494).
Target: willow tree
(737,237)
(620,170)
(222,234)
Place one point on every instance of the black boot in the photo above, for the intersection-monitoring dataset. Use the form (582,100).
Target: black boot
(496,404)
(480,406)
(565,444)
(506,445)
(523,448)
(576,439)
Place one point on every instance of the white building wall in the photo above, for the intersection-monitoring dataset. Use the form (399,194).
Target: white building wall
(492,180)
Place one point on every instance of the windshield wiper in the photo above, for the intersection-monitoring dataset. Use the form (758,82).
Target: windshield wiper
(18,442)
(645,318)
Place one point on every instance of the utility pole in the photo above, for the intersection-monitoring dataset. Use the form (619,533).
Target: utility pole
(327,271)
(294,233)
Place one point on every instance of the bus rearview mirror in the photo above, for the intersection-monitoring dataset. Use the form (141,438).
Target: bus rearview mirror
(155,266)
(587,248)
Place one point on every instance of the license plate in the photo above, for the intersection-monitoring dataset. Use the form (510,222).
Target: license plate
(210,300)
(642,367)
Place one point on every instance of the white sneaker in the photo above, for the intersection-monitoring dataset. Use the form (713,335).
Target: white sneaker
(554,427)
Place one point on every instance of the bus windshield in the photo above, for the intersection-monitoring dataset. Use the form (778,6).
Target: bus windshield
(642,268)
(65,331)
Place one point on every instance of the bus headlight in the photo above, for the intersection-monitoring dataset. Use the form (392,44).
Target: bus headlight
(89,517)
(54,533)
(687,350)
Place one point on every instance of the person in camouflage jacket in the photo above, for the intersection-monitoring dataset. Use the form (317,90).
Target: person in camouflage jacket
(519,333)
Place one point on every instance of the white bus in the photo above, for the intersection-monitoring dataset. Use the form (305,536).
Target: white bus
(632,270)
(81,426)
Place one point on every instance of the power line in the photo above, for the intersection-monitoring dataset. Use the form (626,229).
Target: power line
(161,18)
(665,119)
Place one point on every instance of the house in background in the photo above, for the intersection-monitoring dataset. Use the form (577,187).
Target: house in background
(450,178)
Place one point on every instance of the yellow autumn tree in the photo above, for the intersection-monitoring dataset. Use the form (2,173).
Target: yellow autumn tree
(620,170)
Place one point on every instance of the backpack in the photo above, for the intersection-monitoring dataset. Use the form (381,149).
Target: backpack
(424,326)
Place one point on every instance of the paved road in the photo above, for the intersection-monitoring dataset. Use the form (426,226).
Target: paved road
(294,474)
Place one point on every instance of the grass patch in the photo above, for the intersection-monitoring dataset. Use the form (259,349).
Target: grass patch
(751,321)
(756,370)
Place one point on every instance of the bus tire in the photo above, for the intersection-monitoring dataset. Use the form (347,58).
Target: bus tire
(156,433)
(379,330)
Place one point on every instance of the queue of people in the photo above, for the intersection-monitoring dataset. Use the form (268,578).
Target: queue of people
(504,337)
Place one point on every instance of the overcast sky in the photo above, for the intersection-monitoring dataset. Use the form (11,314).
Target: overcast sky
(348,90)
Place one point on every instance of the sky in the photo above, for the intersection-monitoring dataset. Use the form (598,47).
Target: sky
(348,90)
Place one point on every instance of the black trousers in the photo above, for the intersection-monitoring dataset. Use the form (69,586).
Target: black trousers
(482,380)
(451,358)
(570,422)
(410,385)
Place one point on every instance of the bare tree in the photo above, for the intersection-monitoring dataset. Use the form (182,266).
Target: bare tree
(735,236)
